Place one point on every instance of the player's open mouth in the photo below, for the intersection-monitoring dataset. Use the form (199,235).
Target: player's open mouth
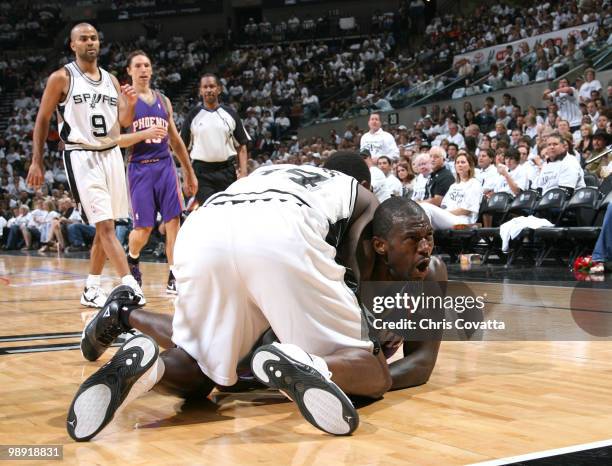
(422,265)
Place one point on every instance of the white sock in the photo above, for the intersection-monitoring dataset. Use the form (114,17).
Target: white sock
(130,281)
(93,280)
(134,256)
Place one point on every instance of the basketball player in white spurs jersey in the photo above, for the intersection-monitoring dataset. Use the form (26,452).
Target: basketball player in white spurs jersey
(300,292)
(91,109)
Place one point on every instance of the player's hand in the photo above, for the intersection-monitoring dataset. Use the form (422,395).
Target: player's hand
(35,177)
(130,94)
(190,183)
(155,132)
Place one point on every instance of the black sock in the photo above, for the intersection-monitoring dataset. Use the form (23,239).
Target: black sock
(124,316)
(131,260)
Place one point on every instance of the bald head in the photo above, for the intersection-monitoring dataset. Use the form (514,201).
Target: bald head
(81,28)
(85,43)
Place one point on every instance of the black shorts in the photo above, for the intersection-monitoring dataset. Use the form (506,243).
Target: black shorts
(213,177)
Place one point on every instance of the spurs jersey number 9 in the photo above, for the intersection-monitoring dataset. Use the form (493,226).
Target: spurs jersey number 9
(89,115)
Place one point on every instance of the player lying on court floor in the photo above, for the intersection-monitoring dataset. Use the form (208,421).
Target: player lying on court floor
(260,255)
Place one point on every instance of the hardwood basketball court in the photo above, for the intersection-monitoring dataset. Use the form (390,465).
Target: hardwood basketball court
(485,400)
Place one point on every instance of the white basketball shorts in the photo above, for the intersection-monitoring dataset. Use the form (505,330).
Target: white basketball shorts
(97,182)
(242,268)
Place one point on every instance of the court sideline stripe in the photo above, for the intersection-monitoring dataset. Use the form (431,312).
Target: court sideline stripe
(44,348)
(39,349)
(545,453)
(38,336)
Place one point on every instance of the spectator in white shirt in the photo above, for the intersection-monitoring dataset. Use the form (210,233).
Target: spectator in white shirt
(46,225)
(377,141)
(566,99)
(486,172)
(392,186)
(461,203)
(512,176)
(451,154)
(421,165)
(378,178)
(592,111)
(455,136)
(520,77)
(562,169)
(590,84)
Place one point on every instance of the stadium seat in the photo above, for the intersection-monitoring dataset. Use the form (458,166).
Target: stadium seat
(591,180)
(585,237)
(580,211)
(606,186)
(522,205)
(525,204)
(497,207)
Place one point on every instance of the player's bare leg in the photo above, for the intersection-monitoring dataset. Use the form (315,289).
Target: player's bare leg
(97,256)
(348,366)
(172,228)
(183,376)
(137,240)
(157,326)
(105,233)
(93,294)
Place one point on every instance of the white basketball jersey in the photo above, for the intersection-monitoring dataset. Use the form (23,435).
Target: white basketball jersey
(89,115)
(329,193)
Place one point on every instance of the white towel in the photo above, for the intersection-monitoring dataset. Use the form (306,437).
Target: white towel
(512,228)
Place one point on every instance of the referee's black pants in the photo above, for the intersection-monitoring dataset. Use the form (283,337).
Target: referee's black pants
(213,177)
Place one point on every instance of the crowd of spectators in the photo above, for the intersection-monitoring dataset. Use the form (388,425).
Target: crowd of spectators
(276,88)
(309,27)
(488,134)
(22,27)
(293,81)
(429,68)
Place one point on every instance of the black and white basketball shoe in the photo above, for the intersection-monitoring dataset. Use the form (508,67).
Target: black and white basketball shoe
(305,379)
(131,372)
(100,333)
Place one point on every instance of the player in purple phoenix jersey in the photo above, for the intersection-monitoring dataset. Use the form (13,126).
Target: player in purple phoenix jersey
(152,178)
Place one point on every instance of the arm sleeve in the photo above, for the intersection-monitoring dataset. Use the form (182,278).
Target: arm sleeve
(392,148)
(239,133)
(186,135)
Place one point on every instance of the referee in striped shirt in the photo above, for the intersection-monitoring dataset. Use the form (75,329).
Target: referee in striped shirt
(215,136)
